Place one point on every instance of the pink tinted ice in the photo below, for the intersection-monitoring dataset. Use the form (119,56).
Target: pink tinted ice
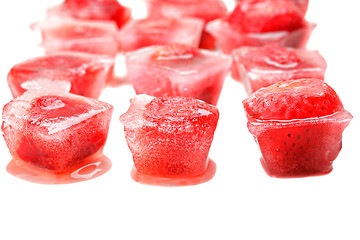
(260,67)
(183,71)
(109,10)
(146,32)
(54,130)
(207,10)
(170,138)
(86,73)
(98,37)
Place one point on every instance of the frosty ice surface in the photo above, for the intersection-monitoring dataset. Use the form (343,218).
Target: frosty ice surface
(170,137)
(55,130)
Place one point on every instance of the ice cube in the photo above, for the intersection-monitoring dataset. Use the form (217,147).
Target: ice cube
(207,10)
(63,34)
(85,73)
(55,130)
(109,10)
(146,32)
(298,125)
(178,70)
(170,138)
(263,66)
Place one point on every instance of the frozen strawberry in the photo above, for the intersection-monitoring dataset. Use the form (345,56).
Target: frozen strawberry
(103,10)
(263,66)
(79,35)
(178,70)
(170,137)
(207,10)
(298,126)
(147,32)
(266,16)
(55,130)
(261,22)
(86,73)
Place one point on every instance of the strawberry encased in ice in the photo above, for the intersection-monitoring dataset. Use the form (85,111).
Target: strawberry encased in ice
(298,126)
(170,138)
(97,37)
(207,10)
(86,73)
(261,22)
(178,70)
(55,130)
(104,10)
(259,67)
(146,32)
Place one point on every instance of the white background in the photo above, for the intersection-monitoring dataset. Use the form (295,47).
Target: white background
(240,202)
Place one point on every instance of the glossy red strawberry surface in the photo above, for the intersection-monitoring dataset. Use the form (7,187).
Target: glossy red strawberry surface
(298,126)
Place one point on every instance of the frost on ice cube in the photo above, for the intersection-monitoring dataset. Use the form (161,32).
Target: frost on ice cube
(170,138)
(109,10)
(98,37)
(55,130)
(86,73)
(263,66)
(298,125)
(146,32)
(178,70)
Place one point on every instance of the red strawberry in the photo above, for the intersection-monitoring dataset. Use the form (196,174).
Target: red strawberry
(256,16)
(170,136)
(96,10)
(55,131)
(293,99)
(298,126)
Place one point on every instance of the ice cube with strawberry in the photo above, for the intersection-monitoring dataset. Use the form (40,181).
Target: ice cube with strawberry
(108,10)
(178,70)
(160,31)
(54,130)
(86,73)
(261,22)
(259,67)
(170,139)
(207,10)
(97,37)
(298,125)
